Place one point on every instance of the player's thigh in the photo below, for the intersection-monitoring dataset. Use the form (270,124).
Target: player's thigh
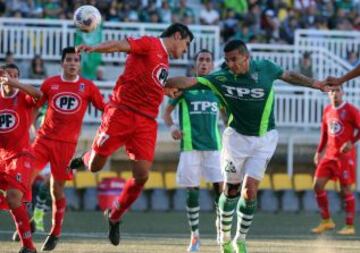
(116,128)
(60,156)
(347,170)
(188,171)
(210,166)
(236,150)
(141,145)
(40,150)
(327,168)
(255,166)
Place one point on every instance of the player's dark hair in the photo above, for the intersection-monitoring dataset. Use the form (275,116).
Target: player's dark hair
(236,44)
(177,27)
(204,51)
(10,66)
(67,50)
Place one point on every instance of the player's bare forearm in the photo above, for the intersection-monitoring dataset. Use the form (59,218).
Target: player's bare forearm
(32,91)
(167,115)
(181,82)
(297,79)
(350,75)
(112,46)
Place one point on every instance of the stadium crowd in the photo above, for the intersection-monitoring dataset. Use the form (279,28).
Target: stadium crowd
(271,21)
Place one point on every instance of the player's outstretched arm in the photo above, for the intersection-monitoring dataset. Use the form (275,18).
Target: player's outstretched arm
(176,134)
(298,79)
(106,47)
(32,91)
(181,82)
(336,81)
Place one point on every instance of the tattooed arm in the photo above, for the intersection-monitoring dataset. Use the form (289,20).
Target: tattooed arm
(298,79)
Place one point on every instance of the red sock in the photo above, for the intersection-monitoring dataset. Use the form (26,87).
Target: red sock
(86,158)
(22,222)
(349,201)
(323,203)
(58,212)
(131,192)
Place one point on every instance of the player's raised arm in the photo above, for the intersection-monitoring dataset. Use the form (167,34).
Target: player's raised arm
(8,79)
(181,82)
(106,47)
(298,79)
(336,81)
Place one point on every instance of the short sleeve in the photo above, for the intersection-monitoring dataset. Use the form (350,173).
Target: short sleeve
(140,45)
(275,69)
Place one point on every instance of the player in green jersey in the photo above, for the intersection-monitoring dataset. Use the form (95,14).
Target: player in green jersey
(246,88)
(200,143)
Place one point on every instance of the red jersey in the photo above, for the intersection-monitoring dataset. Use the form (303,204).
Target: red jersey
(67,104)
(15,120)
(339,125)
(141,86)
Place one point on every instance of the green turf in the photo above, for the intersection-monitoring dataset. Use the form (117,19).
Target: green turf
(168,232)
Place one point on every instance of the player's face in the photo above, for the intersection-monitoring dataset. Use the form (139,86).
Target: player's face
(71,64)
(238,63)
(13,73)
(181,46)
(204,64)
(336,96)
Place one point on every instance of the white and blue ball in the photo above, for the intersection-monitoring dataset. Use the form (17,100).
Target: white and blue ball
(87,18)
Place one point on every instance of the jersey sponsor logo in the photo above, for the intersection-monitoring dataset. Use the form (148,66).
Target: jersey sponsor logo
(67,102)
(9,120)
(160,74)
(335,127)
(203,107)
(244,93)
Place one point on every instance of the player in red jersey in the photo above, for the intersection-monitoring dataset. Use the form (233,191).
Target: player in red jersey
(340,130)
(130,117)
(68,96)
(17,102)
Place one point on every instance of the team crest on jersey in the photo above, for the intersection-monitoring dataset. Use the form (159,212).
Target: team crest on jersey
(67,102)
(335,127)
(9,120)
(160,74)
(82,87)
(221,78)
(343,114)
(255,76)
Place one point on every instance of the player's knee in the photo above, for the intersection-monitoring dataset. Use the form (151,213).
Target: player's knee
(13,198)
(141,180)
(249,193)
(232,190)
(318,187)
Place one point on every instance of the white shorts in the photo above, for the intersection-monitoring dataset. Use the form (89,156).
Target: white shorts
(246,155)
(196,164)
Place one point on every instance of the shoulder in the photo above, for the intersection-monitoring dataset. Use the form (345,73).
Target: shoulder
(51,80)
(352,108)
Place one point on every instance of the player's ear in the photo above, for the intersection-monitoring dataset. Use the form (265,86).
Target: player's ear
(177,36)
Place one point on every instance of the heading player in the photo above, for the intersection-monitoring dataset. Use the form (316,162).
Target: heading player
(130,117)
(68,96)
(340,129)
(17,102)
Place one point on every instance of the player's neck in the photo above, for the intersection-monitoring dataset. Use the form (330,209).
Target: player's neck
(338,105)
(7,91)
(69,78)
(167,44)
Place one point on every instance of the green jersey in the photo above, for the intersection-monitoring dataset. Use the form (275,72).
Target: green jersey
(248,97)
(198,116)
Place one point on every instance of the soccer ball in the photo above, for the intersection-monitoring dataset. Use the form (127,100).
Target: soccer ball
(87,18)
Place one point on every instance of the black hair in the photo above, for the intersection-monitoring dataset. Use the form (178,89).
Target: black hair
(10,66)
(177,27)
(236,44)
(67,50)
(204,51)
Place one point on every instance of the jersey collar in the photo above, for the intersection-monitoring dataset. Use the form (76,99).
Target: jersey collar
(69,81)
(340,106)
(3,93)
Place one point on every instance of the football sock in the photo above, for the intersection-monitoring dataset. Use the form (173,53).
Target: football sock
(192,209)
(58,213)
(349,202)
(21,218)
(323,203)
(245,214)
(131,192)
(227,208)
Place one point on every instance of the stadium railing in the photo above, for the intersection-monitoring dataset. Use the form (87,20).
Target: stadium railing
(27,37)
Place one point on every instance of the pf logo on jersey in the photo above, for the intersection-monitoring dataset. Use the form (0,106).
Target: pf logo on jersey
(160,74)
(67,102)
(335,127)
(9,120)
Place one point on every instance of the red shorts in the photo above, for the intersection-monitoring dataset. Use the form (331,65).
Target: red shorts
(57,153)
(16,174)
(342,169)
(122,126)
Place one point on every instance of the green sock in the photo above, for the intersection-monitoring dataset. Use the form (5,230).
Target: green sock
(245,214)
(227,208)
(193,208)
